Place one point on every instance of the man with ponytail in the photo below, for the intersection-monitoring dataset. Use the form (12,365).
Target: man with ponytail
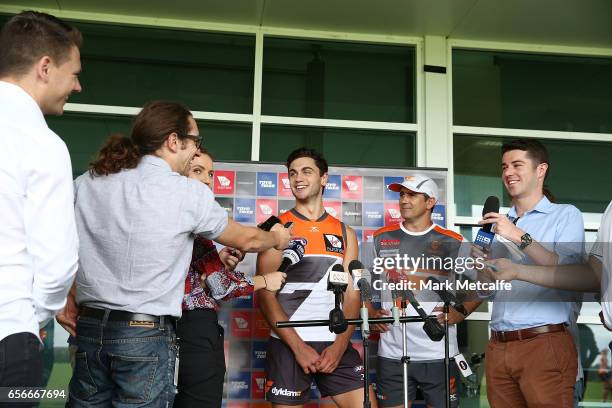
(531,356)
(137,216)
(39,69)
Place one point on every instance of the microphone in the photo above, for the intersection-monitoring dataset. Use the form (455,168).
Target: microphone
(477,358)
(438,288)
(363,277)
(484,237)
(337,282)
(431,327)
(292,255)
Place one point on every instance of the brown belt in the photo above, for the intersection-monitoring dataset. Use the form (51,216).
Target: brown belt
(524,334)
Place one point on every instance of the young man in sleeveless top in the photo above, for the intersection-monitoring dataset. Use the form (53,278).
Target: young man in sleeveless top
(298,356)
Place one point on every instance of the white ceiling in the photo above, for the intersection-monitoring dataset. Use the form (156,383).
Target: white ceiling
(576,23)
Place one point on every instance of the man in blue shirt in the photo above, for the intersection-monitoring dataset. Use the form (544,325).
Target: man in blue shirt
(531,356)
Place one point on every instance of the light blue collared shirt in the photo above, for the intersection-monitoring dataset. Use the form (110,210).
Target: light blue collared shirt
(559,228)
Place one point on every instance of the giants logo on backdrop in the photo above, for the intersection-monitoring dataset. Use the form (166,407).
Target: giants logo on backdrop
(333,243)
(265,208)
(332,188)
(224,181)
(284,185)
(244,210)
(352,187)
(392,214)
(334,208)
(266,184)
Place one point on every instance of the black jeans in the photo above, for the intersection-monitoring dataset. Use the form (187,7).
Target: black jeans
(202,367)
(20,362)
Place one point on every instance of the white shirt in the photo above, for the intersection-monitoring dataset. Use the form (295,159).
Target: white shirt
(602,250)
(38,237)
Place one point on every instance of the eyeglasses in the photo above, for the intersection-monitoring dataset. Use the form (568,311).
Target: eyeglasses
(197,139)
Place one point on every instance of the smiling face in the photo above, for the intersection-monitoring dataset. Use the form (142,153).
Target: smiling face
(306,179)
(415,206)
(61,81)
(522,177)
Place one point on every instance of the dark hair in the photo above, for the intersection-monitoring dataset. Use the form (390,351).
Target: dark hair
(29,36)
(537,152)
(150,129)
(313,154)
(205,151)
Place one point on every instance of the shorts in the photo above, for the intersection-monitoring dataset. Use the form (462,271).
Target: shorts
(428,376)
(287,384)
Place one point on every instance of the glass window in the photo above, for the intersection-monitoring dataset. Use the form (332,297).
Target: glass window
(338,80)
(227,141)
(527,91)
(579,172)
(340,146)
(85,134)
(129,66)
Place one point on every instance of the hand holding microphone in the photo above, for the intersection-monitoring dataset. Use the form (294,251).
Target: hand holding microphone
(281,232)
(484,237)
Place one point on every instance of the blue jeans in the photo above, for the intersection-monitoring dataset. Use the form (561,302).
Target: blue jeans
(123,364)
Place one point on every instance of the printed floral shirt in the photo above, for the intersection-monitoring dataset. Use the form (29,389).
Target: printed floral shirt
(220,284)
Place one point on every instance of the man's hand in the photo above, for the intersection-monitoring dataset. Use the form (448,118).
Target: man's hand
(68,316)
(330,358)
(380,327)
(502,269)
(230,257)
(454,317)
(307,358)
(282,236)
(476,252)
(503,226)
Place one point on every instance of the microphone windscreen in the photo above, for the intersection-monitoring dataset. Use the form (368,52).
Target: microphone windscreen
(491,205)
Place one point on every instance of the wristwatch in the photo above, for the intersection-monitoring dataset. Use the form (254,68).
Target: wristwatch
(461,309)
(525,241)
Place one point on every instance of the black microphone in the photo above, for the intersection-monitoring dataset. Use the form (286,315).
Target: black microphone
(363,277)
(445,295)
(292,255)
(484,237)
(431,326)
(337,282)
(477,358)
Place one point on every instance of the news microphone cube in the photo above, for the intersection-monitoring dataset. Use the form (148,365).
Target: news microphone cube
(484,239)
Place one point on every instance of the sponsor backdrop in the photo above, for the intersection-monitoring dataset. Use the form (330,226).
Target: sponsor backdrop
(250,193)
